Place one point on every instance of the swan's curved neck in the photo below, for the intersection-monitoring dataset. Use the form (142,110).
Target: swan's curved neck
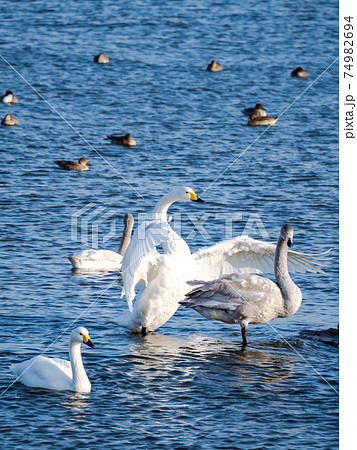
(281,262)
(290,292)
(160,210)
(80,379)
(125,240)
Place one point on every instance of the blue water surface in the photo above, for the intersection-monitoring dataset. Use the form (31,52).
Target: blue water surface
(189,385)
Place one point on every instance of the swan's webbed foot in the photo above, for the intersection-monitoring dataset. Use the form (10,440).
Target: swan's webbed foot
(244,336)
(143,331)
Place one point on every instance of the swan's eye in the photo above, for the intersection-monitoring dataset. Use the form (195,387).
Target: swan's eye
(80,334)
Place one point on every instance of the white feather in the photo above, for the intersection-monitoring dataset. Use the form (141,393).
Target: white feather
(142,250)
(163,278)
(246,255)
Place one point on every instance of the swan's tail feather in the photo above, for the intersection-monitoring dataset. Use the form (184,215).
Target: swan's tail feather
(127,321)
(74,261)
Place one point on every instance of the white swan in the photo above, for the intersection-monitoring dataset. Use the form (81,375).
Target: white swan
(249,298)
(159,274)
(57,374)
(104,259)
(162,278)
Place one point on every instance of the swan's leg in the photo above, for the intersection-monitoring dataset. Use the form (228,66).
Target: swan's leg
(143,331)
(244,335)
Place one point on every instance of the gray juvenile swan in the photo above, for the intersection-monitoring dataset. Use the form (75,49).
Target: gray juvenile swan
(247,298)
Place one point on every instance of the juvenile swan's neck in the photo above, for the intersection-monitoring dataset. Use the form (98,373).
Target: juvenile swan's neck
(290,292)
(128,228)
(80,380)
(160,210)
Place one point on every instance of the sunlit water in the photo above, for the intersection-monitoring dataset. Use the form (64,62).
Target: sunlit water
(189,385)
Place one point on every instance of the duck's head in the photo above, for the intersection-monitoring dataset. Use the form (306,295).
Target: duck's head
(8,93)
(81,336)
(127,136)
(254,116)
(299,72)
(287,233)
(258,106)
(83,162)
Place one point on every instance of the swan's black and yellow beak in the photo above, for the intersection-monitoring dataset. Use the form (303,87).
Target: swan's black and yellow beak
(194,198)
(86,340)
(290,243)
(90,343)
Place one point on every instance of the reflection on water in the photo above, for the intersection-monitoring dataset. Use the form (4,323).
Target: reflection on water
(218,360)
(94,275)
(77,403)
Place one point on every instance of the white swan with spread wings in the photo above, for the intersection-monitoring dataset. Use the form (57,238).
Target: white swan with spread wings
(161,278)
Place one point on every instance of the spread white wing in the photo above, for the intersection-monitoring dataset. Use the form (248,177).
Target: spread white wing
(141,255)
(246,255)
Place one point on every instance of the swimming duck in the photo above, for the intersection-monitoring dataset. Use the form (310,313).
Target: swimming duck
(101,58)
(80,166)
(258,109)
(214,66)
(249,298)
(9,98)
(9,120)
(126,140)
(299,72)
(55,373)
(256,120)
